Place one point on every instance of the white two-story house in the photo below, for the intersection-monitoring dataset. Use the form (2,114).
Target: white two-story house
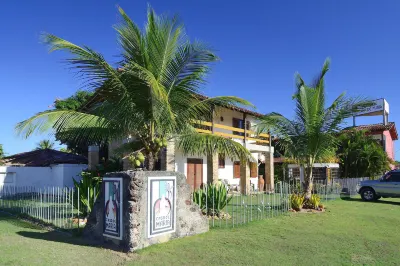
(230,122)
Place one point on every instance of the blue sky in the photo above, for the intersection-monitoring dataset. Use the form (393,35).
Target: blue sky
(261,45)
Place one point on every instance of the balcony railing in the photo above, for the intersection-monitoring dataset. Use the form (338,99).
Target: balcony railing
(244,134)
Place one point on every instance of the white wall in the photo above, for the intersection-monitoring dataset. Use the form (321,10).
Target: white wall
(56,175)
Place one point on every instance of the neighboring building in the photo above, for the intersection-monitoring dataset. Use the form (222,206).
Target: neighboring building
(321,171)
(385,134)
(41,168)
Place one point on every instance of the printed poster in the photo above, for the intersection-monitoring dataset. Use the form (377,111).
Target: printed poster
(112,207)
(161,205)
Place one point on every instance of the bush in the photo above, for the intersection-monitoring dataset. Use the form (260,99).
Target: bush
(313,202)
(89,189)
(212,198)
(296,201)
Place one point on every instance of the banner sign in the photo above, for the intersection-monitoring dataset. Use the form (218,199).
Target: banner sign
(112,187)
(378,108)
(161,205)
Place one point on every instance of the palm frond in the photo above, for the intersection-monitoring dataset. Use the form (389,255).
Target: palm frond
(196,143)
(78,125)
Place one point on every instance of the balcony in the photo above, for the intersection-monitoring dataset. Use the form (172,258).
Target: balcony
(245,135)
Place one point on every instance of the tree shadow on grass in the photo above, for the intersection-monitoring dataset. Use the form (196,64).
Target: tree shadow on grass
(346,198)
(54,236)
(4,217)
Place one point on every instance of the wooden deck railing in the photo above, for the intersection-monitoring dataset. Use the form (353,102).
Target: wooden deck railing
(244,134)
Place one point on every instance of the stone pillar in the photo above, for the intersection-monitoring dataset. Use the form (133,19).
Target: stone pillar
(168,157)
(126,164)
(93,157)
(269,172)
(244,177)
(212,168)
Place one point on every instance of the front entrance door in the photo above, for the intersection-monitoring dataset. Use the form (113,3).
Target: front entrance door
(194,173)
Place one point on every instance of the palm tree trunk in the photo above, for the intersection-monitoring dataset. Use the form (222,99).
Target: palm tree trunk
(308,182)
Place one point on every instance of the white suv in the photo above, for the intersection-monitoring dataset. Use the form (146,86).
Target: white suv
(387,186)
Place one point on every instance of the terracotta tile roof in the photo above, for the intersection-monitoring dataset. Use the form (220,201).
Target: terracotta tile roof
(44,157)
(391,127)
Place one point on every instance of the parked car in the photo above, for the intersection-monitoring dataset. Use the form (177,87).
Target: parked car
(387,186)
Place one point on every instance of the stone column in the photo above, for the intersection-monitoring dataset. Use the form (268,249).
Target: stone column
(126,164)
(212,168)
(269,172)
(168,157)
(93,157)
(244,177)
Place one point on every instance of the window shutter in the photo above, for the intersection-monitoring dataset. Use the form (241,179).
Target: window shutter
(236,169)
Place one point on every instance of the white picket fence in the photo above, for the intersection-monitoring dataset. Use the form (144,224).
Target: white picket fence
(58,206)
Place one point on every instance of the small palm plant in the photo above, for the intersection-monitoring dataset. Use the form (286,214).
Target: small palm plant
(86,192)
(212,198)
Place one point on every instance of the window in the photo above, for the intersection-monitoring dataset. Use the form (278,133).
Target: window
(238,123)
(393,177)
(221,161)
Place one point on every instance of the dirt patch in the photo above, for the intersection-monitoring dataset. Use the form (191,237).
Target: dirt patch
(308,210)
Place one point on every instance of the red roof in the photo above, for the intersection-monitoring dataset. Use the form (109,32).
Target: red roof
(378,128)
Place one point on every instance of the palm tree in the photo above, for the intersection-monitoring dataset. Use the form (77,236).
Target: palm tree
(361,155)
(45,144)
(152,94)
(311,136)
(1,154)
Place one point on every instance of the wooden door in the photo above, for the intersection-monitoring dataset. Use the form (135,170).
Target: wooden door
(194,173)
(236,170)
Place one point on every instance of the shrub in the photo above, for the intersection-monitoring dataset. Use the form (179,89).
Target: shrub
(313,202)
(89,189)
(296,201)
(212,198)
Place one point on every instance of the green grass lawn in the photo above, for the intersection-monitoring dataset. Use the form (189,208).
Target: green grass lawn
(349,232)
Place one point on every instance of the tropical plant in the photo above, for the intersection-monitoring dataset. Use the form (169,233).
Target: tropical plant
(313,202)
(296,201)
(86,192)
(1,154)
(212,198)
(65,150)
(311,135)
(45,144)
(75,102)
(152,95)
(361,156)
